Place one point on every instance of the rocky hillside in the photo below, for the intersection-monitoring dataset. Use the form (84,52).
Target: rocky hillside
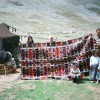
(51,15)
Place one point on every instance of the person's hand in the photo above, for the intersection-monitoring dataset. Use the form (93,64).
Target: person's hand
(74,75)
(98,70)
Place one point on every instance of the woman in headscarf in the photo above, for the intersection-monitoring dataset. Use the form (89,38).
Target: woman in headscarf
(30,41)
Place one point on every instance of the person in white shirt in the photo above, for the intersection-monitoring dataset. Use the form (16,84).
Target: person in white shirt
(98,73)
(94,62)
(75,73)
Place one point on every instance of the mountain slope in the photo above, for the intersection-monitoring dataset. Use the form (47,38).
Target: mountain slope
(51,15)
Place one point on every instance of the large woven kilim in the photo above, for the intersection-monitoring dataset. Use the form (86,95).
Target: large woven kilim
(43,60)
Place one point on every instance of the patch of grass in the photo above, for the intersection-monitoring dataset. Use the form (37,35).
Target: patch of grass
(51,90)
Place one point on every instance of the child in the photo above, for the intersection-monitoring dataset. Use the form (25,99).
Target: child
(94,61)
(75,73)
(30,41)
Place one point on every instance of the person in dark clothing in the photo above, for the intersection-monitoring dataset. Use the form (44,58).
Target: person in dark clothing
(30,41)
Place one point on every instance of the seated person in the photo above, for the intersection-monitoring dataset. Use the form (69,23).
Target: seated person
(75,73)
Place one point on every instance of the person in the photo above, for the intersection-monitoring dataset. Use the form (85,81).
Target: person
(13,62)
(51,41)
(98,73)
(30,41)
(94,61)
(75,73)
(97,38)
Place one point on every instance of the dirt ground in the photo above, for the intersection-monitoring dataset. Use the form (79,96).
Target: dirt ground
(7,80)
(11,86)
(10,77)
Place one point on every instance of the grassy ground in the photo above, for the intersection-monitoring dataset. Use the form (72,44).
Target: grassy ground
(50,90)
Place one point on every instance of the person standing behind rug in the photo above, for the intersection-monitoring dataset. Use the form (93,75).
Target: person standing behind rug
(97,38)
(94,61)
(51,41)
(30,41)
